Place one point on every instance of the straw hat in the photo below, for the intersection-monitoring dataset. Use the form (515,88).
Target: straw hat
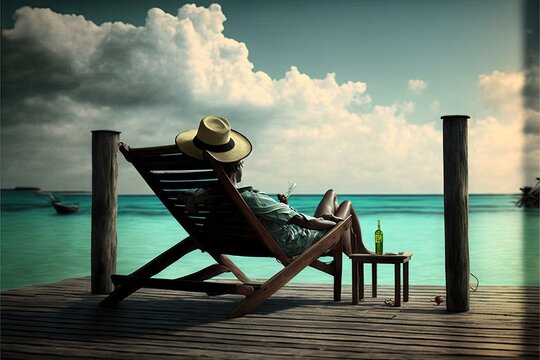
(215,135)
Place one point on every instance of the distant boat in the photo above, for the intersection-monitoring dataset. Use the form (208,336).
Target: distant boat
(62,209)
(26,188)
(530,196)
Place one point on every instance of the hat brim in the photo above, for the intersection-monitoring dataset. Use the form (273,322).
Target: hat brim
(242,147)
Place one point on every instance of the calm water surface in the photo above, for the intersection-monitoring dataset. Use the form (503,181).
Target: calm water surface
(39,246)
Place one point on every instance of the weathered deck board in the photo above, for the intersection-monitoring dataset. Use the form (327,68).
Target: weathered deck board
(63,320)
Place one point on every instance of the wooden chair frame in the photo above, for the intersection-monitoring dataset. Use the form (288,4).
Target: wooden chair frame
(166,170)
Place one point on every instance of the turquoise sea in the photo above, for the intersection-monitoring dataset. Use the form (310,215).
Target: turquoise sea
(38,246)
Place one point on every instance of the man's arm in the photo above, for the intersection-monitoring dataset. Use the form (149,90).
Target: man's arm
(313,223)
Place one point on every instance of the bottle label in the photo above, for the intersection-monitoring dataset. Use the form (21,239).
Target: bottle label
(378,242)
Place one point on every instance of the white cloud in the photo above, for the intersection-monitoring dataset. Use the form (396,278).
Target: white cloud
(66,76)
(500,86)
(504,91)
(407,107)
(495,155)
(416,86)
(496,141)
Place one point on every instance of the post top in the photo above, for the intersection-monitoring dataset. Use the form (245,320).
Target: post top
(109,131)
(455,117)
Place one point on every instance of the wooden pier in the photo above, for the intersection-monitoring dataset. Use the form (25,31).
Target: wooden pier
(63,320)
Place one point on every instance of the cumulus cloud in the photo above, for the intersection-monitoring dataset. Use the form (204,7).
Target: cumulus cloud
(499,85)
(64,76)
(497,141)
(416,86)
(504,91)
(518,121)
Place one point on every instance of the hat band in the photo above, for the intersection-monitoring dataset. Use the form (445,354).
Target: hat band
(215,148)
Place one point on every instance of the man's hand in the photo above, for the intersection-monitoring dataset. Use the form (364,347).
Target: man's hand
(283,199)
(311,223)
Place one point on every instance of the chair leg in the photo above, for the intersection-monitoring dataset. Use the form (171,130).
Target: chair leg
(206,273)
(338,265)
(327,268)
(277,281)
(264,292)
(150,269)
(224,260)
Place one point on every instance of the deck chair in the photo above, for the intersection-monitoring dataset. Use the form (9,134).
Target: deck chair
(220,223)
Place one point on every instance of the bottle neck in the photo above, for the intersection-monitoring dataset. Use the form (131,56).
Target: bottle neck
(378,225)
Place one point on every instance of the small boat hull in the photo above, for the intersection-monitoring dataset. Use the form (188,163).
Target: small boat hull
(65,209)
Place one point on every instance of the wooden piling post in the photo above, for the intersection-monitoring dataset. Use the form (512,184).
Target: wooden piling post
(456,212)
(104,208)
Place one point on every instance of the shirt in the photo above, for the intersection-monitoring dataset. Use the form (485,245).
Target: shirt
(292,239)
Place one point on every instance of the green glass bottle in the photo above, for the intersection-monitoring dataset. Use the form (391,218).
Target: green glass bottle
(378,239)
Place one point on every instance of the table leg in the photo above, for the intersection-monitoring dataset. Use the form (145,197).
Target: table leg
(397,290)
(354,282)
(361,280)
(406,281)
(374,280)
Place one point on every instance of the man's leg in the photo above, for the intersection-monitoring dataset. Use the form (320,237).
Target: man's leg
(343,211)
(357,246)
(328,204)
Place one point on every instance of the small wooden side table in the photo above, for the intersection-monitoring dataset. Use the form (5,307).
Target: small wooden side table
(358,261)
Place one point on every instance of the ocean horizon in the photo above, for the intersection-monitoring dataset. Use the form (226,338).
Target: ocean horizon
(39,246)
(296,193)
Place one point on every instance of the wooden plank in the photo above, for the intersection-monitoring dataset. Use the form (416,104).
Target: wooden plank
(167,165)
(155,330)
(191,175)
(516,309)
(267,333)
(152,151)
(62,320)
(170,185)
(279,339)
(343,330)
(154,334)
(482,303)
(185,310)
(381,259)
(184,285)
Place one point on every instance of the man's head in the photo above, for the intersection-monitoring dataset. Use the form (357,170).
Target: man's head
(234,170)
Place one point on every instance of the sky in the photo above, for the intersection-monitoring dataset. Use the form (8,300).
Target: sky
(343,94)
